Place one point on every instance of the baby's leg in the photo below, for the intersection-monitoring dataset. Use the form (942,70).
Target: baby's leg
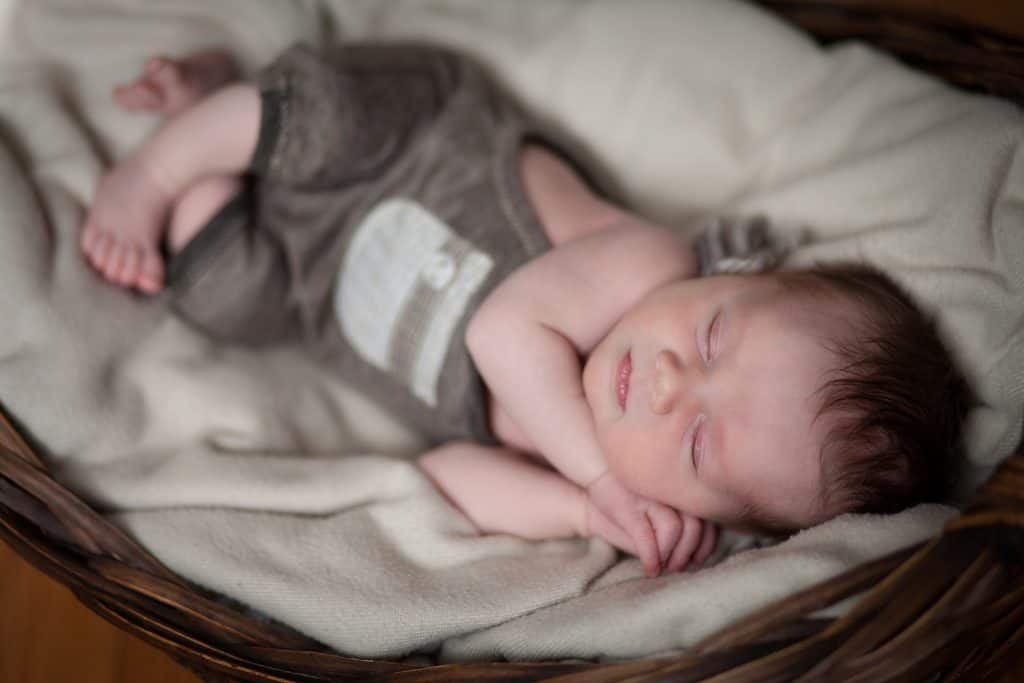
(129,217)
(166,85)
(197,206)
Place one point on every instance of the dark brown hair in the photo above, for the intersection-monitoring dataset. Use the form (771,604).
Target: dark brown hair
(896,400)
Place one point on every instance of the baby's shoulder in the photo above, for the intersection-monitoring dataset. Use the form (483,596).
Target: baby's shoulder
(566,207)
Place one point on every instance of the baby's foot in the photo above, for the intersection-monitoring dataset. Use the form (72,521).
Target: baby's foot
(122,231)
(167,86)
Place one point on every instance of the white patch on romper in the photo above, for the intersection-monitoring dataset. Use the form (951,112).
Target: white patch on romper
(403,286)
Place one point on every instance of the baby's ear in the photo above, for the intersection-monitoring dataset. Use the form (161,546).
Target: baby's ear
(746,244)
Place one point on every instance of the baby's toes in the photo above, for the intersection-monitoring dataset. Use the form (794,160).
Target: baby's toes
(138,95)
(98,249)
(156,64)
(168,77)
(128,268)
(88,238)
(149,277)
(114,261)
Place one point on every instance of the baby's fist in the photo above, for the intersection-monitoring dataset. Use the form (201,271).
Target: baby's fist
(631,522)
(696,543)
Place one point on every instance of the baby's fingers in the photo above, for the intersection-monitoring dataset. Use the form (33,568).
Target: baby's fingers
(623,536)
(708,541)
(689,541)
(628,511)
(668,528)
(644,543)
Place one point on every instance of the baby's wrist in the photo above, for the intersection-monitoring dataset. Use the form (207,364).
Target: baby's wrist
(582,523)
(595,479)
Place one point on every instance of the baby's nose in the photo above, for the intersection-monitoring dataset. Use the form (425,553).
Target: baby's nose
(668,382)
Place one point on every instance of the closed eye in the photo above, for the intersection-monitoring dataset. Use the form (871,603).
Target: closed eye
(697,442)
(711,339)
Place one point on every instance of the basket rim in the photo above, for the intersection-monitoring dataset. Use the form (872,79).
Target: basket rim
(972,55)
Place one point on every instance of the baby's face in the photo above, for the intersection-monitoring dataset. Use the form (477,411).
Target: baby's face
(704,398)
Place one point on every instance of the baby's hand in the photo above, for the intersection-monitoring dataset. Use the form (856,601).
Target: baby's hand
(696,543)
(662,537)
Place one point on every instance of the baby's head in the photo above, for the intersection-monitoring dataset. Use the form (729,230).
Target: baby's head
(776,401)
(894,403)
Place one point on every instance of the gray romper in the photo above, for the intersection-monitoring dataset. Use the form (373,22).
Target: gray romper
(384,203)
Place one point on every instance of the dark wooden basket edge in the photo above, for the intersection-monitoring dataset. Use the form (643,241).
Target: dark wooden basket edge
(969,55)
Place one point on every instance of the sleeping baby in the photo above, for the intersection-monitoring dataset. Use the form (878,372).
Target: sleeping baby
(390,210)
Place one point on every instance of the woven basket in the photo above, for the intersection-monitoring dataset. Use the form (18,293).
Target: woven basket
(948,610)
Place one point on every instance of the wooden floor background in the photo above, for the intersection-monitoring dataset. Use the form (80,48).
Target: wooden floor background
(47,636)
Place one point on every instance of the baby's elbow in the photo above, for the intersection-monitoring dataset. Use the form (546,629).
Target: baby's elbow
(499,326)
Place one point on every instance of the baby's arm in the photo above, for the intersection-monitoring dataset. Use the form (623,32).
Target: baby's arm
(502,491)
(528,336)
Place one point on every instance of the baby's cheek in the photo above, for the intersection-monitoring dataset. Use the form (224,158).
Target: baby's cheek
(632,459)
(616,451)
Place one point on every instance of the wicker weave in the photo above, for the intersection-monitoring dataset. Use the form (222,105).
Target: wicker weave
(949,610)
